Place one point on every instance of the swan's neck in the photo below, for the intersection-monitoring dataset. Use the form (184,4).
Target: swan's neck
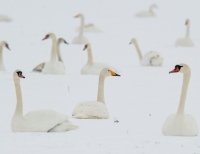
(186,79)
(100,96)
(187,35)
(53,50)
(58,52)
(1,55)
(90,57)
(19,106)
(138,50)
(81,26)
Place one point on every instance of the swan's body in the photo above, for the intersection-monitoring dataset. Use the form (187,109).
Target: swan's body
(151,58)
(95,109)
(5,18)
(147,14)
(36,121)
(181,124)
(80,39)
(93,68)
(40,67)
(2,44)
(53,66)
(89,28)
(186,41)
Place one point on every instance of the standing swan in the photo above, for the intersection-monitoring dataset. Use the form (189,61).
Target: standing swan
(186,41)
(80,39)
(147,14)
(53,66)
(39,67)
(181,124)
(36,121)
(151,58)
(95,109)
(3,44)
(90,67)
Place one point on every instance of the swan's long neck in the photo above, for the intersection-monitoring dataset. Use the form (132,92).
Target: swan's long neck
(187,35)
(58,52)
(53,49)
(19,106)
(138,50)
(1,55)
(82,25)
(186,79)
(100,96)
(90,57)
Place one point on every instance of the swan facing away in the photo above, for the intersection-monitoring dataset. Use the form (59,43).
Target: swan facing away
(151,58)
(3,44)
(181,124)
(37,121)
(80,39)
(95,109)
(147,14)
(53,66)
(186,41)
(91,67)
(39,67)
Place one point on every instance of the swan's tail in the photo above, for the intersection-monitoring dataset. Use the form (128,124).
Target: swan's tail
(65,126)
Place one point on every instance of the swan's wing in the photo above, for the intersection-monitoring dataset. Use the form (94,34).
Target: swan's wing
(44,120)
(39,67)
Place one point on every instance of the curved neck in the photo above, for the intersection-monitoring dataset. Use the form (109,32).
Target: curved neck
(1,55)
(58,52)
(186,79)
(90,57)
(100,96)
(53,49)
(19,106)
(138,50)
(81,26)
(187,34)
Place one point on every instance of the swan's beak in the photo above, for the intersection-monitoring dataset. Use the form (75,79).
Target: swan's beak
(66,42)
(186,22)
(7,47)
(175,70)
(130,43)
(113,73)
(85,47)
(76,16)
(46,37)
(21,76)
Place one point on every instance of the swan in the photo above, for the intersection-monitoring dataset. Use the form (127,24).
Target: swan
(36,121)
(90,67)
(5,18)
(53,66)
(151,58)
(181,124)
(186,41)
(39,67)
(80,39)
(95,109)
(147,14)
(3,44)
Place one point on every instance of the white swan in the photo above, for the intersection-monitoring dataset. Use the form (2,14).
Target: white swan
(90,67)
(3,44)
(36,121)
(39,67)
(181,124)
(53,66)
(95,109)
(5,18)
(151,58)
(80,39)
(147,14)
(186,41)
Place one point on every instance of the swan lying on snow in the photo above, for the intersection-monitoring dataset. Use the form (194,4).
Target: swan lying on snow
(3,44)
(181,124)
(147,14)
(90,67)
(95,109)
(151,58)
(37,121)
(186,41)
(40,67)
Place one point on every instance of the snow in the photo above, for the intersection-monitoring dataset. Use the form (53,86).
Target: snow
(141,99)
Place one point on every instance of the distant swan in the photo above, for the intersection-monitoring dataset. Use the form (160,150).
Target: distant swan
(39,67)
(37,121)
(181,124)
(91,67)
(2,44)
(95,109)
(147,14)
(151,58)
(186,41)
(5,18)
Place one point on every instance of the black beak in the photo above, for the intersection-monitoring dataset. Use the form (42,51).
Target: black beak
(117,74)
(66,42)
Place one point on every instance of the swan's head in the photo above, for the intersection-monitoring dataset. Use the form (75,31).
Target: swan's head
(61,40)
(5,44)
(154,6)
(187,21)
(49,35)
(78,15)
(87,46)
(133,41)
(17,74)
(108,72)
(182,68)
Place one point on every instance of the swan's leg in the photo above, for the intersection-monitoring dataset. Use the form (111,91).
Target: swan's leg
(62,127)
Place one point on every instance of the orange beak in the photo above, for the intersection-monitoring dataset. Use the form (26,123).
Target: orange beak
(175,70)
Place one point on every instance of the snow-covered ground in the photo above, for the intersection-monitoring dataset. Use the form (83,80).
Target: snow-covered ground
(141,99)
